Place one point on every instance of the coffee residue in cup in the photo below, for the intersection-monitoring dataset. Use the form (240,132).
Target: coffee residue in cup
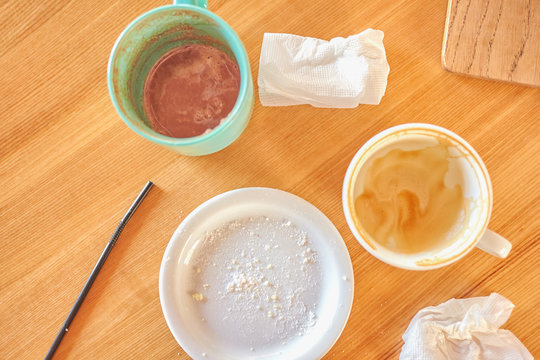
(190,90)
(405,205)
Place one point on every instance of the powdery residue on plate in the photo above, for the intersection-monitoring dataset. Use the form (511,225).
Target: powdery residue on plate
(256,282)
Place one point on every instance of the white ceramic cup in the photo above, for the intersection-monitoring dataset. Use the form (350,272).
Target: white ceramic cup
(468,170)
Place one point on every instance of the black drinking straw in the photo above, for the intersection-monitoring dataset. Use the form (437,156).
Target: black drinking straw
(97,268)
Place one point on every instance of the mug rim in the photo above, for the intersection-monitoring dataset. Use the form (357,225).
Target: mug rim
(237,48)
(348,196)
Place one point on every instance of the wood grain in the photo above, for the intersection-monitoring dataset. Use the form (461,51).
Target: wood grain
(494,39)
(69,168)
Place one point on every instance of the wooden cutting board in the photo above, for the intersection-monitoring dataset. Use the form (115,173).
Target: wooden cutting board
(494,39)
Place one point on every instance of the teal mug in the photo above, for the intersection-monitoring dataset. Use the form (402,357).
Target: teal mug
(152,35)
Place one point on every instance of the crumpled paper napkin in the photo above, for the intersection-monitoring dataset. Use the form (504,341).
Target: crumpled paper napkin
(340,73)
(463,329)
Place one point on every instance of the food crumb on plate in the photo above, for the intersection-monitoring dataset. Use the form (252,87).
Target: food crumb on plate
(247,266)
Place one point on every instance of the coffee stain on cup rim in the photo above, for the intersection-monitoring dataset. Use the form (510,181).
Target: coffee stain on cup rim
(429,131)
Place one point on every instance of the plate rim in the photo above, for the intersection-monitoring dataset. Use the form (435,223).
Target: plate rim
(183,336)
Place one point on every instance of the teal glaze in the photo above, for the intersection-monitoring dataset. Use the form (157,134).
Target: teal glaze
(201,3)
(150,36)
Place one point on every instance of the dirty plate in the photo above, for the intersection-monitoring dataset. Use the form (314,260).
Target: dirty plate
(204,325)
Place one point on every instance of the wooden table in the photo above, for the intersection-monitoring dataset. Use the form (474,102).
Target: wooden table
(69,168)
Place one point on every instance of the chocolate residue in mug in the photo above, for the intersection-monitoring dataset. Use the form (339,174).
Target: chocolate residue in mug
(190,90)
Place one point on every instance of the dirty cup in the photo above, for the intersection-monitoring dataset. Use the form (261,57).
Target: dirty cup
(419,197)
(146,40)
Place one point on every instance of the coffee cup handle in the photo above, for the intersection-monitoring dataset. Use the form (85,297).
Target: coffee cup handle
(494,244)
(201,3)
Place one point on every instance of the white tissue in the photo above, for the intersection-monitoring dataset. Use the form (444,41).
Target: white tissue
(463,329)
(339,73)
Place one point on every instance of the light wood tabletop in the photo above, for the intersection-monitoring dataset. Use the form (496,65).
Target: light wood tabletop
(70,168)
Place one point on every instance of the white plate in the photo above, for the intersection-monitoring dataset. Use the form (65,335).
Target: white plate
(335,297)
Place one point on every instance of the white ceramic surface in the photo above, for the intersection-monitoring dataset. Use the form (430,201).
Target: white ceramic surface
(337,286)
(466,168)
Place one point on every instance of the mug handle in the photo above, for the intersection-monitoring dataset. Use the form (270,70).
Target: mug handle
(494,244)
(201,3)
